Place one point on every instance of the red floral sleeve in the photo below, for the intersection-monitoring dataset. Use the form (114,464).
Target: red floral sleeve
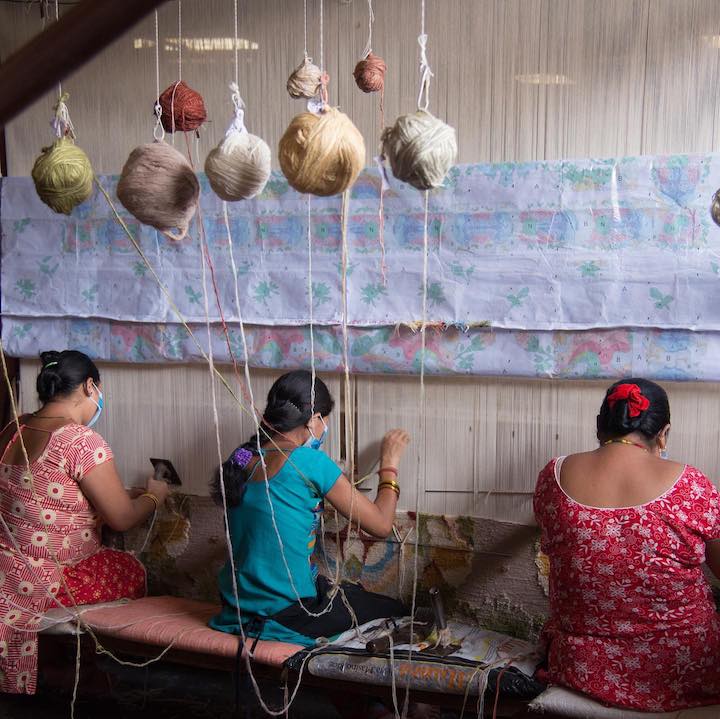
(700,505)
(87,451)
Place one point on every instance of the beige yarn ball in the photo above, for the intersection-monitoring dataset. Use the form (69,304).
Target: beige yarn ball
(239,167)
(321,155)
(159,188)
(305,80)
(421,149)
(63,176)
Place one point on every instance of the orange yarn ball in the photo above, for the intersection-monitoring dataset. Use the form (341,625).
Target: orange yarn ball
(370,73)
(182,108)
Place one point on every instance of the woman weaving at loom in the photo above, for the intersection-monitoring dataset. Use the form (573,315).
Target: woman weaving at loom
(273,526)
(633,623)
(50,516)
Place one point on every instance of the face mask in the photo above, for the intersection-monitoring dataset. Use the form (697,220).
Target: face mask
(316,442)
(100,404)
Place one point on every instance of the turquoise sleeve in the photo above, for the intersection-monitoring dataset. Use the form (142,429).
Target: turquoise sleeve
(319,468)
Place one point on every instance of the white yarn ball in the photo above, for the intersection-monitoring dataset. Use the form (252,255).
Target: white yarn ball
(421,149)
(239,167)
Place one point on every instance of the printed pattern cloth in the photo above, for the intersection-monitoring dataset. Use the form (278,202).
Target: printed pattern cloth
(47,527)
(632,619)
(535,269)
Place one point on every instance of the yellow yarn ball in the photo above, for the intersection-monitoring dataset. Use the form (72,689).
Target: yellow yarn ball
(63,176)
(321,155)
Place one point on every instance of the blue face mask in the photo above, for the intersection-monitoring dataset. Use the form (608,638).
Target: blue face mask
(100,404)
(316,442)
(663,454)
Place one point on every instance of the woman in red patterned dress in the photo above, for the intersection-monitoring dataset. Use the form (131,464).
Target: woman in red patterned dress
(632,620)
(50,516)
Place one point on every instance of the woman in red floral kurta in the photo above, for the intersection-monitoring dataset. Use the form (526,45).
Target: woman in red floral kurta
(632,619)
(50,551)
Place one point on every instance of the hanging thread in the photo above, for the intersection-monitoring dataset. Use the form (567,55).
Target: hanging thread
(420,147)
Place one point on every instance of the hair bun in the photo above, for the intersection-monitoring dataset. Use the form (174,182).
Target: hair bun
(50,356)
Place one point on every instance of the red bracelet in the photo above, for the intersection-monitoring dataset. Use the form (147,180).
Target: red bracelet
(392,470)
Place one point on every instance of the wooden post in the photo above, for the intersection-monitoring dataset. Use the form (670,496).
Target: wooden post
(63,47)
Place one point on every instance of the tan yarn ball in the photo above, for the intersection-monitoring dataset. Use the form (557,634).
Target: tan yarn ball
(159,188)
(421,149)
(305,80)
(63,176)
(239,167)
(321,155)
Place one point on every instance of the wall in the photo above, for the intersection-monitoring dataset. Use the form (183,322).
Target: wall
(640,80)
(640,74)
(485,440)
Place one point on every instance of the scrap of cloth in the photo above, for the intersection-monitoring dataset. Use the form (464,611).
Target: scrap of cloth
(632,618)
(48,519)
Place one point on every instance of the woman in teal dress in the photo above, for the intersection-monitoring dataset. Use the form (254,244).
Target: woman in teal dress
(273,526)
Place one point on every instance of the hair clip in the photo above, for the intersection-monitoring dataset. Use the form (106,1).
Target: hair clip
(50,364)
(241,457)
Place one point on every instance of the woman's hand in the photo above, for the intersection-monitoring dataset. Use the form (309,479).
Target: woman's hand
(393,447)
(158,488)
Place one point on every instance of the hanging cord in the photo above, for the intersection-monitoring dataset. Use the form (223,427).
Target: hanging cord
(425,71)
(371,20)
(310,305)
(180,40)
(159,130)
(235,46)
(238,122)
(62,124)
(305,33)
(421,423)
(57,18)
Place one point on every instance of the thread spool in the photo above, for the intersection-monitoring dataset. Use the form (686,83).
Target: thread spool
(63,176)
(421,149)
(305,81)
(239,167)
(182,108)
(370,72)
(321,154)
(159,188)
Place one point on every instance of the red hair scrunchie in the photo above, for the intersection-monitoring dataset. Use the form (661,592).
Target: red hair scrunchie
(637,402)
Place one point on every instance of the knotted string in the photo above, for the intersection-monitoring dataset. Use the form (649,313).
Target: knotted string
(371,20)
(159,130)
(62,124)
(425,73)
(238,121)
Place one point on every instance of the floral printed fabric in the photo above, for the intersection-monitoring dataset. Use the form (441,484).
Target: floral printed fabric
(632,619)
(47,526)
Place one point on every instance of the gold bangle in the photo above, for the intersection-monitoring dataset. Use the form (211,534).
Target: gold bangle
(389,482)
(155,500)
(386,485)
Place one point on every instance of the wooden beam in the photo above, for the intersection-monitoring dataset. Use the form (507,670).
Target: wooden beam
(66,45)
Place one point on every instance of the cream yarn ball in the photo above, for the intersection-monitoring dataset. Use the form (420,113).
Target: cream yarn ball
(239,167)
(321,154)
(421,149)
(305,80)
(158,186)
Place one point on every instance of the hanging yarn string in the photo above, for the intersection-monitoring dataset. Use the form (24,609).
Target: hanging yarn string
(239,167)
(62,174)
(321,154)
(158,186)
(420,147)
(370,72)
(182,108)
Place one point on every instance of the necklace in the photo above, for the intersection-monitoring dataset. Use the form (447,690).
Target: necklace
(625,441)
(49,416)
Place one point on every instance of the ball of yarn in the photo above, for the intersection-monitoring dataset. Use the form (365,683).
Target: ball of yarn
(421,149)
(158,186)
(715,208)
(239,167)
(182,108)
(63,176)
(321,155)
(305,80)
(369,73)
